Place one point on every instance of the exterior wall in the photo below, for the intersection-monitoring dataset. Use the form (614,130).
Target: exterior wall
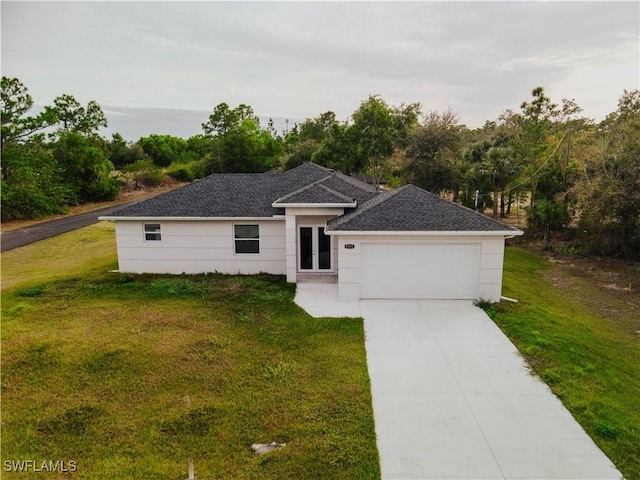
(491,261)
(291,248)
(199,247)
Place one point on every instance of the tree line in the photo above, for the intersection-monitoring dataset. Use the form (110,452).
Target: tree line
(575,176)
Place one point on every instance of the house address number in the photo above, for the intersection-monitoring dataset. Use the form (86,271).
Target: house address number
(349,246)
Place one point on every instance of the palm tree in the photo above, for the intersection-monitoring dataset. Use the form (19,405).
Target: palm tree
(498,165)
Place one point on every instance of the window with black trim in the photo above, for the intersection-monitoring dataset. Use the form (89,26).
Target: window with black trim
(152,232)
(247,238)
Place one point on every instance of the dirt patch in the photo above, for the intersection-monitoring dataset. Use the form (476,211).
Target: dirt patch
(606,286)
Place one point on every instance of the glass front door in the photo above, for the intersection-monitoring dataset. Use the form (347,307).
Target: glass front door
(314,249)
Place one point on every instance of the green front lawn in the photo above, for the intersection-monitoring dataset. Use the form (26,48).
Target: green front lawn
(591,362)
(97,368)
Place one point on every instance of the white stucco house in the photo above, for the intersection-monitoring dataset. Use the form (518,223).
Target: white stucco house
(311,221)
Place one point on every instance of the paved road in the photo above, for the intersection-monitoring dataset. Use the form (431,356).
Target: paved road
(40,231)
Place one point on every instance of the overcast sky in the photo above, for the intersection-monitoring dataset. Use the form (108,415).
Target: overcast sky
(161,67)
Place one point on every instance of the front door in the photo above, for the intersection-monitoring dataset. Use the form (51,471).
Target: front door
(314,249)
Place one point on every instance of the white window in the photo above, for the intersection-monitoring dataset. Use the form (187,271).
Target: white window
(247,238)
(152,232)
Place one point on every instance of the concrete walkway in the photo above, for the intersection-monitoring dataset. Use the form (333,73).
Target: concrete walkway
(452,398)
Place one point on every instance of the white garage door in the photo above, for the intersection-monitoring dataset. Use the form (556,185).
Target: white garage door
(432,271)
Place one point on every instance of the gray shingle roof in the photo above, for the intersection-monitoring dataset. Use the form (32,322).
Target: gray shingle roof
(350,187)
(316,193)
(243,194)
(412,209)
(252,194)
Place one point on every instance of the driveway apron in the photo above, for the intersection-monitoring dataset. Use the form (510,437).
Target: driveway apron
(452,398)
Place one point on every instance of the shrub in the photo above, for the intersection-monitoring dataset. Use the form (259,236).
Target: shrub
(85,167)
(32,183)
(187,172)
(199,168)
(26,200)
(181,172)
(145,173)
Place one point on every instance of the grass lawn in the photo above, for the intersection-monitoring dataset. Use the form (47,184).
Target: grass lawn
(97,368)
(591,361)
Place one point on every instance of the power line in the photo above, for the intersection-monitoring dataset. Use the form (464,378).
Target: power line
(541,166)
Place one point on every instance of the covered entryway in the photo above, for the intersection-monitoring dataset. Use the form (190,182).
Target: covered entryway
(421,271)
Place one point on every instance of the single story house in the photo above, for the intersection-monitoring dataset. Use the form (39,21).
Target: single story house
(312,221)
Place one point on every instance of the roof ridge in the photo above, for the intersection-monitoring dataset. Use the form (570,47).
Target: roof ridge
(338,194)
(379,199)
(306,164)
(355,182)
(302,189)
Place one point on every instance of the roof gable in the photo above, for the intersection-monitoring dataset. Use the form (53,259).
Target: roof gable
(316,193)
(411,209)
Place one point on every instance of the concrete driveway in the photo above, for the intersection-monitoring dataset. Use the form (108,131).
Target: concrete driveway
(452,398)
